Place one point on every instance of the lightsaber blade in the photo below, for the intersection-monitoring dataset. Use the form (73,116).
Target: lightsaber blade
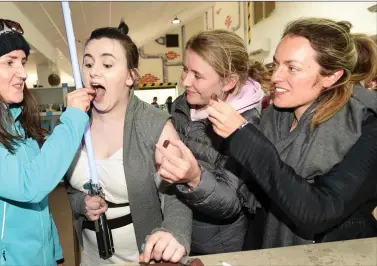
(78,83)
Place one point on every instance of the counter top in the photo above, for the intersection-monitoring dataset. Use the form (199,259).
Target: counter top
(351,252)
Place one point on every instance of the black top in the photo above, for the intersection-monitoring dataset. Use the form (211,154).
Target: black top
(337,206)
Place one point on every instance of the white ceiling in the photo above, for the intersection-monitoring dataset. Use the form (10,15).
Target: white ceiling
(146,20)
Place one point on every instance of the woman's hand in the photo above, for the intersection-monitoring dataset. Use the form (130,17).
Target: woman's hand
(80,98)
(174,169)
(225,120)
(162,246)
(94,206)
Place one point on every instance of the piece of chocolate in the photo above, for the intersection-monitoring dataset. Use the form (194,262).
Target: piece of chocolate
(166,143)
(214,97)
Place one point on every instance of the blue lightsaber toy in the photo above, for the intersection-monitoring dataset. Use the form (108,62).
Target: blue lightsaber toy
(104,237)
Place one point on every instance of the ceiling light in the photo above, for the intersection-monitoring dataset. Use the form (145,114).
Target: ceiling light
(176,20)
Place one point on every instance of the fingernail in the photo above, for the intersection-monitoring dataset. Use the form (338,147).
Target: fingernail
(166,143)
(214,97)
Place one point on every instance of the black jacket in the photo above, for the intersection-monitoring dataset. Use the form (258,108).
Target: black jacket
(218,203)
(337,206)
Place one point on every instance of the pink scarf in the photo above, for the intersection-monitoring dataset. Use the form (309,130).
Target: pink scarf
(249,97)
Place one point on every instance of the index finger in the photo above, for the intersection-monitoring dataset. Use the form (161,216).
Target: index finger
(152,240)
(215,113)
(169,156)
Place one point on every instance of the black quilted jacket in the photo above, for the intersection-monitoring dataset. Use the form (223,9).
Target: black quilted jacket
(220,201)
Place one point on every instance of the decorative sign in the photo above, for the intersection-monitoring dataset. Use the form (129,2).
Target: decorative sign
(228,22)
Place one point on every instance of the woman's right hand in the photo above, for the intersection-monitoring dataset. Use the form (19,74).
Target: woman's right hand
(81,98)
(94,206)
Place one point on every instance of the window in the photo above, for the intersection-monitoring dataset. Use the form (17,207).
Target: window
(263,10)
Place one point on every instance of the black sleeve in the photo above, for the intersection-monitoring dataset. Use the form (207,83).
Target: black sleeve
(60,261)
(313,208)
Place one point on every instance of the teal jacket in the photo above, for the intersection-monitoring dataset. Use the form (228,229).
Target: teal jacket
(28,235)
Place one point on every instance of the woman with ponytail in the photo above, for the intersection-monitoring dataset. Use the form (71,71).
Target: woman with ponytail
(320,109)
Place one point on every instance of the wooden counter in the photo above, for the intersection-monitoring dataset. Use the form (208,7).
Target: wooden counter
(352,252)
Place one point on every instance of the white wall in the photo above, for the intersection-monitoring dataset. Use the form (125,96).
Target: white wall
(217,15)
(32,76)
(9,10)
(273,26)
(154,66)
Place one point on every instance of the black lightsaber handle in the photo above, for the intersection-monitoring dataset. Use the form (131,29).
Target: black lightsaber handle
(104,238)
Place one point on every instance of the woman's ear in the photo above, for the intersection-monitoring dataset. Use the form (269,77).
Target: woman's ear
(330,80)
(133,75)
(230,82)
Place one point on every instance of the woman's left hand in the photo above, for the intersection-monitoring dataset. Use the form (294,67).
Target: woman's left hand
(162,246)
(174,169)
(225,120)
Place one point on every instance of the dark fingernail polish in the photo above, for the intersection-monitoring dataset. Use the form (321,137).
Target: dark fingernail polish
(166,143)
(214,97)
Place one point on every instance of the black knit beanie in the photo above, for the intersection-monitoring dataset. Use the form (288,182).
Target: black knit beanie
(12,41)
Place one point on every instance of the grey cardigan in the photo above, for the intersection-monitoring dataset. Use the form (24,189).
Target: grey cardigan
(153,203)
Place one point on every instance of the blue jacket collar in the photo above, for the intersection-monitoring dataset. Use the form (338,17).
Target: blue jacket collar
(16,110)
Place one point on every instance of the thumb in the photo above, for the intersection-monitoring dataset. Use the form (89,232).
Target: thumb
(185,151)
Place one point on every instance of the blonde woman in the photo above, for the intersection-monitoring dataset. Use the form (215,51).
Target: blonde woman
(216,65)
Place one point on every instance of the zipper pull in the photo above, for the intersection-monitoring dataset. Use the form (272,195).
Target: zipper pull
(4,257)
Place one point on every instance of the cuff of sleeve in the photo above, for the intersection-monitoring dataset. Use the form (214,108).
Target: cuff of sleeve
(60,261)
(201,192)
(180,239)
(75,114)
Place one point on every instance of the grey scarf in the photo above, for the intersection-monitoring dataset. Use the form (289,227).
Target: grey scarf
(312,152)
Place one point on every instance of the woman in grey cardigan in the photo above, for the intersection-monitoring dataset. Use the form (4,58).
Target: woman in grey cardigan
(216,62)
(143,213)
(318,113)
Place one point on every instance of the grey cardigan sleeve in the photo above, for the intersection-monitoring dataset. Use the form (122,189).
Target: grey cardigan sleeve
(76,199)
(77,202)
(177,216)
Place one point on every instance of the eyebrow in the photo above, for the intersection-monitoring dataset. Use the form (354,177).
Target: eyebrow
(287,61)
(193,70)
(102,55)
(16,57)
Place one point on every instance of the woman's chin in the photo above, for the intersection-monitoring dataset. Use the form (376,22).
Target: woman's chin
(101,106)
(192,100)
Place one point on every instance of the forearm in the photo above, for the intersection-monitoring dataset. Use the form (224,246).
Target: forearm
(32,180)
(213,196)
(177,219)
(311,207)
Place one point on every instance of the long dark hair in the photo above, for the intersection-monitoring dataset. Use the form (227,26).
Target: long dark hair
(29,119)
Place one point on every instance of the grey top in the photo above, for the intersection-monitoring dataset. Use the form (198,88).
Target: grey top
(153,203)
